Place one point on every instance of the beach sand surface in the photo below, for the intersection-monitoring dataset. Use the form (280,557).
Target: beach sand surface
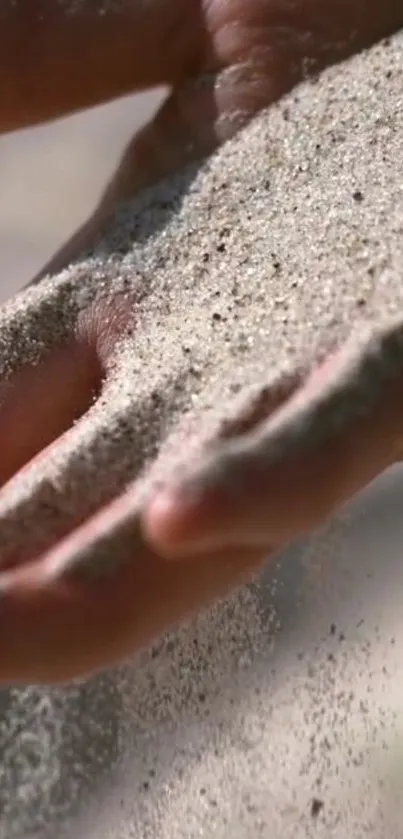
(277,713)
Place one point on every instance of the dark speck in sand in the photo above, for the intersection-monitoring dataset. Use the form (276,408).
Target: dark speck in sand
(316,807)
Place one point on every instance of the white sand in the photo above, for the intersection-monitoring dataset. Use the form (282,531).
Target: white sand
(287,238)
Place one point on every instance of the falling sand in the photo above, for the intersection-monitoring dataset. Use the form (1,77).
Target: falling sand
(238,273)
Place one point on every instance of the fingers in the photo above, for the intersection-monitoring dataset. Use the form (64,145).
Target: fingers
(313,33)
(49,453)
(100,596)
(338,432)
(224,62)
(76,57)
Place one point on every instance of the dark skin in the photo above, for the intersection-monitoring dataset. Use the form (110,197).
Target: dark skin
(59,57)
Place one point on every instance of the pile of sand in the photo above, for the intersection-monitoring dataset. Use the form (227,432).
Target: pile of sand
(248,267)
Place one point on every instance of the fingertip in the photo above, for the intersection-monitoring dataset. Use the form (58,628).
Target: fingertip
(176,524)
(164,520)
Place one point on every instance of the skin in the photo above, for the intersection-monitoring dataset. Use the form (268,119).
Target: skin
(224,60)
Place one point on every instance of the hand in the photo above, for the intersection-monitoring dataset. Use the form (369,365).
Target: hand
(223,60)
(60,617)
(65,612)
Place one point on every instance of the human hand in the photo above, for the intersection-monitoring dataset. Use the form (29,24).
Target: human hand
(222,61)
(83,586)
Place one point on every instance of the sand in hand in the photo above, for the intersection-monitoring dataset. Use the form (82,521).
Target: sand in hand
(237,273)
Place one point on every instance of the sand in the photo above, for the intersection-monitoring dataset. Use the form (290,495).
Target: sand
(241,270)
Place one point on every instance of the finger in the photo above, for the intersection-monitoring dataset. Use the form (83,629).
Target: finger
(100,596)
(286,476)
(76,57)
(41,398)
(312,34)
(254,52)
